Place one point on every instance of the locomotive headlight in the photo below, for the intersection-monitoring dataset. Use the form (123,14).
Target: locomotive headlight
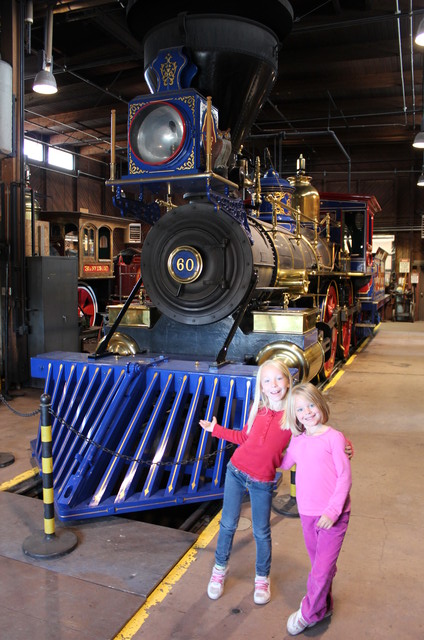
(166,135)
(157,133)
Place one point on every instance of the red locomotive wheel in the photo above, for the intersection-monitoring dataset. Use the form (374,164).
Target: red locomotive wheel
(329,305)
(347,326)
(87,304)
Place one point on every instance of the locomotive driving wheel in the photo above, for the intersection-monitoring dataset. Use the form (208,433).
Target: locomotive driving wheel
(87,304)
(327,312)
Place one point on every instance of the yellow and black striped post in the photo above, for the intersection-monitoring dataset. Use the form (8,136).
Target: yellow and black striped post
(48,544)
(287,506)
(47,469)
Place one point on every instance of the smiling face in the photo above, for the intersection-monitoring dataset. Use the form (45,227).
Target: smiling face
(307,412)
(274,384)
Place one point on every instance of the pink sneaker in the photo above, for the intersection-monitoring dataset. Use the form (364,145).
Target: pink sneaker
(262,593)
(216,582)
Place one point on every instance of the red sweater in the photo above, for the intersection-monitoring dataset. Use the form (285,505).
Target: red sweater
(260,451)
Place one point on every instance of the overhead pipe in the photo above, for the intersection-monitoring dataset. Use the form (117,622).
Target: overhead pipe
(345,118)
(405,108)
(411,48)
(72,5)
(330,97)
(304,134)
(357,22)
(299,134)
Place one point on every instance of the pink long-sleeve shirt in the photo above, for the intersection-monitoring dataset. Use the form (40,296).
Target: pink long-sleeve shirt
(260,450)
(323,473)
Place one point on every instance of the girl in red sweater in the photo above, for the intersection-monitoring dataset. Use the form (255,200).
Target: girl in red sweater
(252,467)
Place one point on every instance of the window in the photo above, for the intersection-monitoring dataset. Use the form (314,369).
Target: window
(104,243)
(59,158)
(33,150)
(354,232)
(71,240)
(88,242)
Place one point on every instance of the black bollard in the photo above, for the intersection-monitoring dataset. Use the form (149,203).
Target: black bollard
(50,544)
(287,506)
(6,459)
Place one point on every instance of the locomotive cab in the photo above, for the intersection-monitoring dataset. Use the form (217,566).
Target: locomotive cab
(352,224)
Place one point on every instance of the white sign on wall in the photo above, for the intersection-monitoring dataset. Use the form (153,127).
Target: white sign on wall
(404,265)
(386,242)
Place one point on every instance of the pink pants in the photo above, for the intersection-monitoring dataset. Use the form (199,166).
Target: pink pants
(323,546)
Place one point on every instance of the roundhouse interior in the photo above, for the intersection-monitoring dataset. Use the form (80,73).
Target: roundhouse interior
(346,104)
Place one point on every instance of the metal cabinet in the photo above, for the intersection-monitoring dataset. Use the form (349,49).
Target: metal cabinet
(52,293)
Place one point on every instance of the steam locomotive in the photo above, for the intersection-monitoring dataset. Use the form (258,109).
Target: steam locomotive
(239,265)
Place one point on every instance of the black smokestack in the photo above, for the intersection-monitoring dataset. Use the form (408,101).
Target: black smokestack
(235,51)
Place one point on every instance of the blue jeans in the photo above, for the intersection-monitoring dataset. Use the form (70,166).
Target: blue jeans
(236,483)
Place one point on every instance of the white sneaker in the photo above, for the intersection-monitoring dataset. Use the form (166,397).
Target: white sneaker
(262,593)
(296,624)
(216,582)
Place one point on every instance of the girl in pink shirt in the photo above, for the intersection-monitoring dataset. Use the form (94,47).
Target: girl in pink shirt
(323,482)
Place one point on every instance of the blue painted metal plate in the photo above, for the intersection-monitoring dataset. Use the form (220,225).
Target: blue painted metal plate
(126,434)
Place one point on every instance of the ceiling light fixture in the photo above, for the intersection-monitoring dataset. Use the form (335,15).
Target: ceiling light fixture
(44,81)
(419,138)
(419,38)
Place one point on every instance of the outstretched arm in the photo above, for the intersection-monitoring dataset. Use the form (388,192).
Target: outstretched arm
(236,436)
(208,425)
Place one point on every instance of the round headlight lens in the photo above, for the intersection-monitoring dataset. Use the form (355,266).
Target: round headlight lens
(157,133)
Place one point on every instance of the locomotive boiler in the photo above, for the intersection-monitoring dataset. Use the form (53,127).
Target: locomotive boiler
(239,265)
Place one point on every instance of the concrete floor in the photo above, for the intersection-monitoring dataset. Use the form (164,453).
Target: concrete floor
(377,401)
(379,589)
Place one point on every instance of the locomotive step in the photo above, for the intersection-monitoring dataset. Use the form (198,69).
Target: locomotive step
(370,325)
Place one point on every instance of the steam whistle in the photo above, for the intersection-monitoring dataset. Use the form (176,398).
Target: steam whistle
(300,165)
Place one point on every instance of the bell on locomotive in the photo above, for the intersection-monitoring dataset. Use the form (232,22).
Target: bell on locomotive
(305,197)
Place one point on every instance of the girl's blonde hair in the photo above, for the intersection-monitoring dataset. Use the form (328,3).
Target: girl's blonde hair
(313,395)
(260,399)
